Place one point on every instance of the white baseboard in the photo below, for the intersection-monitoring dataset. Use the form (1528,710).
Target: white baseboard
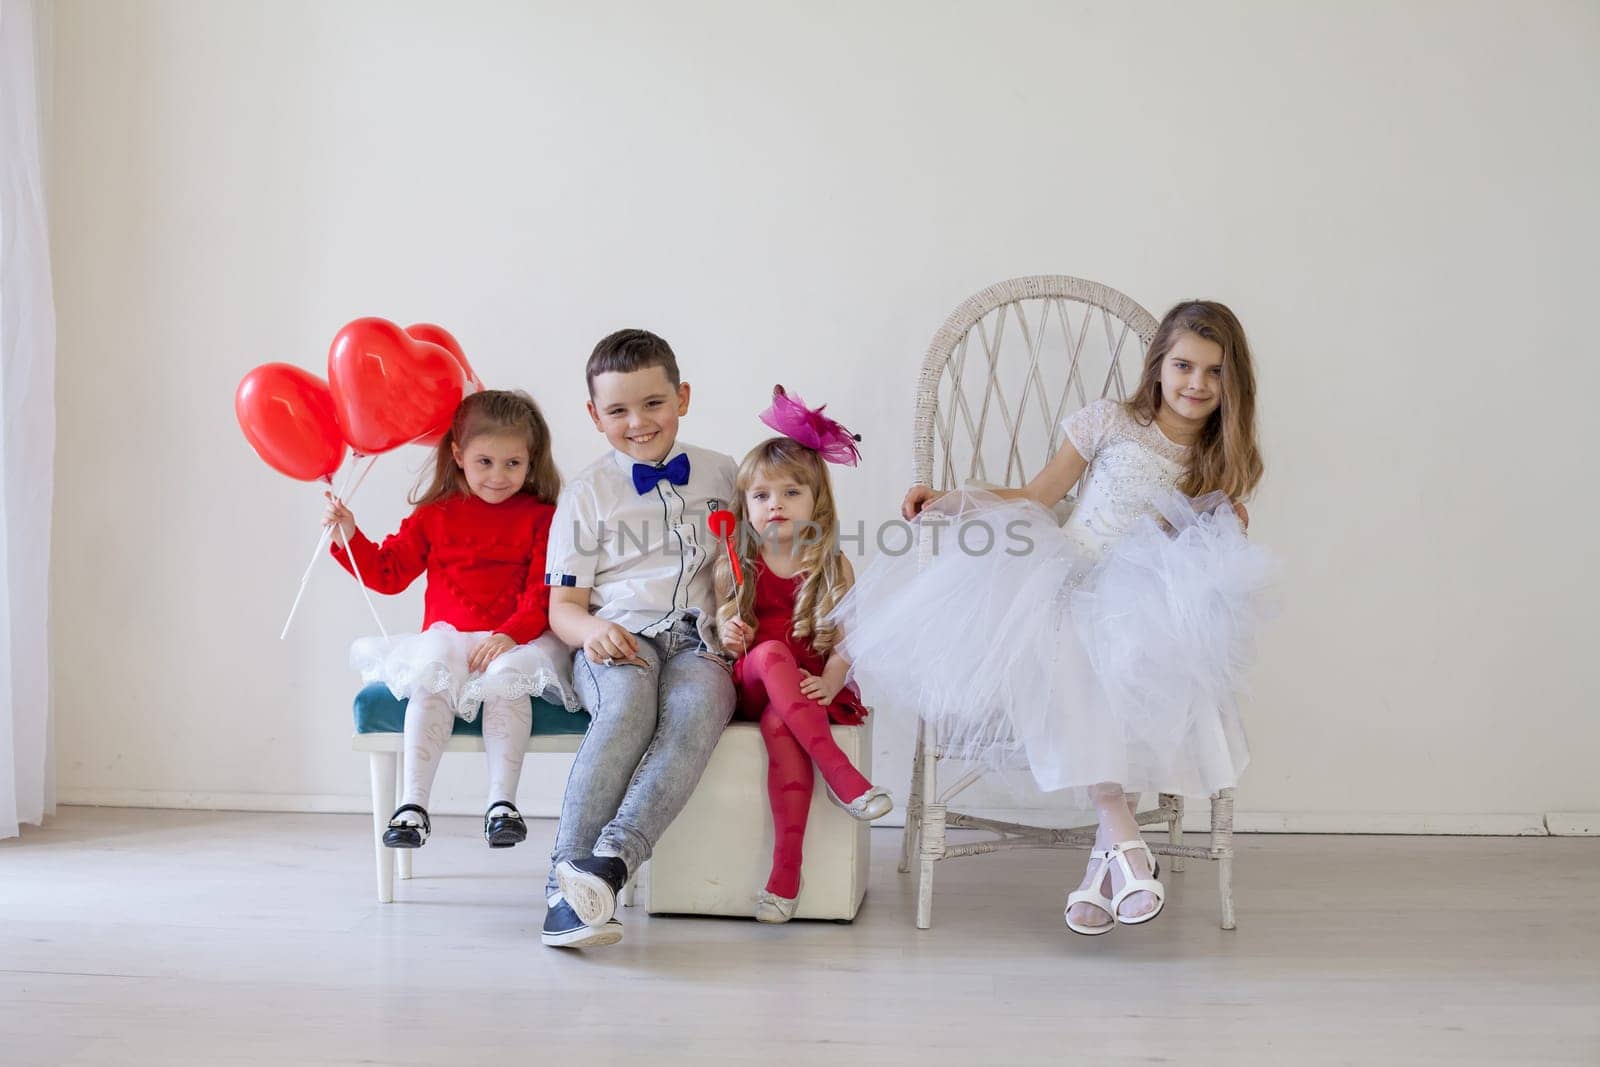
(1479,824)
(317,803)
(1196,818)
(1573,823)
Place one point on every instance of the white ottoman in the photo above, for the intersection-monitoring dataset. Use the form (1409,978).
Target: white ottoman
(717,854)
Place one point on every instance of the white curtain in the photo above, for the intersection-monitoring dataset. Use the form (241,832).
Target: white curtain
(27,434)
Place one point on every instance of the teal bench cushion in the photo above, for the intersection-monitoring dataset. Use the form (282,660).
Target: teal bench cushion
(377,711)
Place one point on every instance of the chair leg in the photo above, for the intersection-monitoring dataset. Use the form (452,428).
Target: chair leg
(382,767)
(930,833)
(932,850)
(402,856)
(1174,805)
(1225,890)
(910,838)
(1222,848)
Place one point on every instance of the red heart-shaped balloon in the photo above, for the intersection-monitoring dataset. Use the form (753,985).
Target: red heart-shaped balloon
(287,416)
(390,388)
(438,335)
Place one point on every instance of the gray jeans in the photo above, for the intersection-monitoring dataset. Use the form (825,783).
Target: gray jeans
(650,736)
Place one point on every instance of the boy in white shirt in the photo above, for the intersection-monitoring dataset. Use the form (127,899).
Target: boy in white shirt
(629,566)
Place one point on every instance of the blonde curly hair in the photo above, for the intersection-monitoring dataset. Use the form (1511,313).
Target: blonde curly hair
(826,577)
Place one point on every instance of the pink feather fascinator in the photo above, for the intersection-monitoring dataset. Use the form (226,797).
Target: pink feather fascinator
(810,427)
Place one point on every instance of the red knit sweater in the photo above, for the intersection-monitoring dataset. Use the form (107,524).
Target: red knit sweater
(485,563)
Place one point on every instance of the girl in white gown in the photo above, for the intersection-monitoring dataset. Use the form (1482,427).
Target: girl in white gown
(1105,653)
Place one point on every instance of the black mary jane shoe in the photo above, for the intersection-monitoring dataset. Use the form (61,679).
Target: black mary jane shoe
(505,829)
(405,834)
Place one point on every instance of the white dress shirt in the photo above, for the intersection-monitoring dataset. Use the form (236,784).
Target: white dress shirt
(645,557)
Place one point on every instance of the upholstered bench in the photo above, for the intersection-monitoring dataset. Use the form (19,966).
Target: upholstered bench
(380,720)
(714,856)
(717,853)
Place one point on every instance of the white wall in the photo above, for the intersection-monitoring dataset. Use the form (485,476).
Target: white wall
(1397,199)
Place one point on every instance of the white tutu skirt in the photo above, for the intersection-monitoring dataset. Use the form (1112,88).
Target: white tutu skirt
(435,661)
(1124,665)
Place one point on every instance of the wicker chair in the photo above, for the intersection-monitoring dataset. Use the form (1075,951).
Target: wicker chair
(1001,373)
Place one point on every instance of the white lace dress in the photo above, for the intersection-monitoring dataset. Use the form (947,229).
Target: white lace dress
(1108,649)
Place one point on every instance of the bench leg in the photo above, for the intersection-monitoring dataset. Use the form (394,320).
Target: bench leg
(382,765)
(402,856)
(629,891)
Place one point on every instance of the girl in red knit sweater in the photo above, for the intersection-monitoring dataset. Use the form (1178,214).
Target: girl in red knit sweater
(789,676)
(479,533)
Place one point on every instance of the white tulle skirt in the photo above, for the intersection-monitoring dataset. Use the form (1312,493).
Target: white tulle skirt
(1124,665)
(435,661)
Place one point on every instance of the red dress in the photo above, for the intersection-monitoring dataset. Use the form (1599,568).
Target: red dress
(774,610)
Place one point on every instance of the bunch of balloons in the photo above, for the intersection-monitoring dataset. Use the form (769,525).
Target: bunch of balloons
(386,387)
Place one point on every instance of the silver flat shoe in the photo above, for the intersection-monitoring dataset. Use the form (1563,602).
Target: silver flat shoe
(771,908)
(875,803)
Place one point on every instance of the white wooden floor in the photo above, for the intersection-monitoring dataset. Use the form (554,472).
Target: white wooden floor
(161,937)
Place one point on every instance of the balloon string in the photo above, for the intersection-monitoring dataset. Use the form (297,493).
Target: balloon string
(322,543)
(364,472)
(365,595)
(345,474)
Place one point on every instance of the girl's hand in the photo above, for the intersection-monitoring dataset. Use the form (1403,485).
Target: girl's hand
(819,689)
(336,514)
(488,650)
(736,636)
(1243,513)
(917,498)
(612,644)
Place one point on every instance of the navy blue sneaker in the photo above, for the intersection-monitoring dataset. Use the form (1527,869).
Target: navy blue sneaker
(563,929)
(591,886)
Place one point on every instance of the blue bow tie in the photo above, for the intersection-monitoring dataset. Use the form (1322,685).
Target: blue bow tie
(645,475)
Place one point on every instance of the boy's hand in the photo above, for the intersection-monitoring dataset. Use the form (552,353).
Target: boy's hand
(1243,513)
(488,650)
(611,644)
(917,498)
(336,514)
(819,689)
(736,636)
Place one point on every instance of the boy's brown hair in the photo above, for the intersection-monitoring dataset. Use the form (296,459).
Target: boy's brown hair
(630,350)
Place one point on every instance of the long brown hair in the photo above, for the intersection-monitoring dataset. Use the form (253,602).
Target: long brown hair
(820,560)
(1224,456)
(510,412)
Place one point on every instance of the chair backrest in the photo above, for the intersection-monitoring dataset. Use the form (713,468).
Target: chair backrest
(1009,364)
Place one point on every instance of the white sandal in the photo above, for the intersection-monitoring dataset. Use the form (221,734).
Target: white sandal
(1093,896)
(1131,883)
